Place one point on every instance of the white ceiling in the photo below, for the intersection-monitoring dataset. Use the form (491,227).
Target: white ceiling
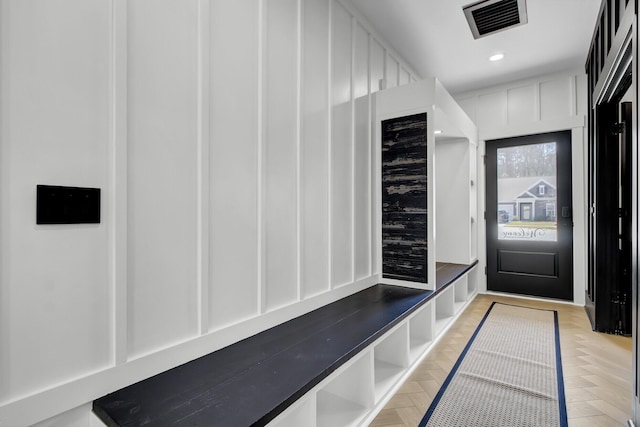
(434,38)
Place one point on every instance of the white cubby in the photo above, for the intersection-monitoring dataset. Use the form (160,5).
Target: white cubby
(301,413)
(353,394)
(421,331)
(461,293)
(391,358)
(444,309)
(472,281)
(346,399)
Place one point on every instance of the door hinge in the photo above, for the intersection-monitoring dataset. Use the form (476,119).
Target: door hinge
(485,215)
(485,270)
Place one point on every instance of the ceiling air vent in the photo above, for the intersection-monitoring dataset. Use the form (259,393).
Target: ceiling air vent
(489,16)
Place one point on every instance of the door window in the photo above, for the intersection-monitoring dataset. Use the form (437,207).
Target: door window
(526,176)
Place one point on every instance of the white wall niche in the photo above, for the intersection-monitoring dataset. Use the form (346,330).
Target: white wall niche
(421,330)
(301,413)
(472,281)
(346,399)
(460,293)
(444,309)
(391,358)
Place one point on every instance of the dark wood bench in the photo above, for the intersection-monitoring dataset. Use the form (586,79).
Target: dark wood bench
(252,381)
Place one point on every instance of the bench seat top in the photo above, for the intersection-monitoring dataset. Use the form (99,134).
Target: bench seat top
(252,381)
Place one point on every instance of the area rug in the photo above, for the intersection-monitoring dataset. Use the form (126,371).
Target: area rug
(509,374)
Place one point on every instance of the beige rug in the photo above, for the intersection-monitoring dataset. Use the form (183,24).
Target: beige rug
(509,374)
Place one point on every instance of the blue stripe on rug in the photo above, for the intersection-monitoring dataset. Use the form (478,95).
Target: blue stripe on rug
(561,396)
(562,408)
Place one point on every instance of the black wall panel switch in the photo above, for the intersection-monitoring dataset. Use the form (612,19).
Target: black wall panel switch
(67,205)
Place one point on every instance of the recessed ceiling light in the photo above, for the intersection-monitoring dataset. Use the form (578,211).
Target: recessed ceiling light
(496,57)
(437,131)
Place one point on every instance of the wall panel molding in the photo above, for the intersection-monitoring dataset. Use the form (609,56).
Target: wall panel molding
(299,237)
(235,162)
(342,147)
(118,179)
(203,164)
(163,165)
(314,151)
(280,149)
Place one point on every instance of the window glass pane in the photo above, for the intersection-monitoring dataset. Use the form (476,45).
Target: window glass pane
(527,208)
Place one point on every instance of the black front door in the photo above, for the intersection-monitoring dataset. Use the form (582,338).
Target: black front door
(529,215)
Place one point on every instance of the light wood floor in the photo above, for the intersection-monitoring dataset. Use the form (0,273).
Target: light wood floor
(597,369)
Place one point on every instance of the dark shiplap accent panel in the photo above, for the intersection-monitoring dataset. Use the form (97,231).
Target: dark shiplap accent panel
(404,198)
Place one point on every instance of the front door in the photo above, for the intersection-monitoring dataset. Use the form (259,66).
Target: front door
(529,223)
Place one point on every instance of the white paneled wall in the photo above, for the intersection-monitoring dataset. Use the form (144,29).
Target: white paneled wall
(392,72)
(54,123)
(404,77)
(234,153)
(162,173)
(315,149)
(544,104)
(280,148)
(362,155)
(376,65)
(232,143)
(341,147)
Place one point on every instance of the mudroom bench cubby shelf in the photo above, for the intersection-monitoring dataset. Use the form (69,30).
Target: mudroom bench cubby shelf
(335,366)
